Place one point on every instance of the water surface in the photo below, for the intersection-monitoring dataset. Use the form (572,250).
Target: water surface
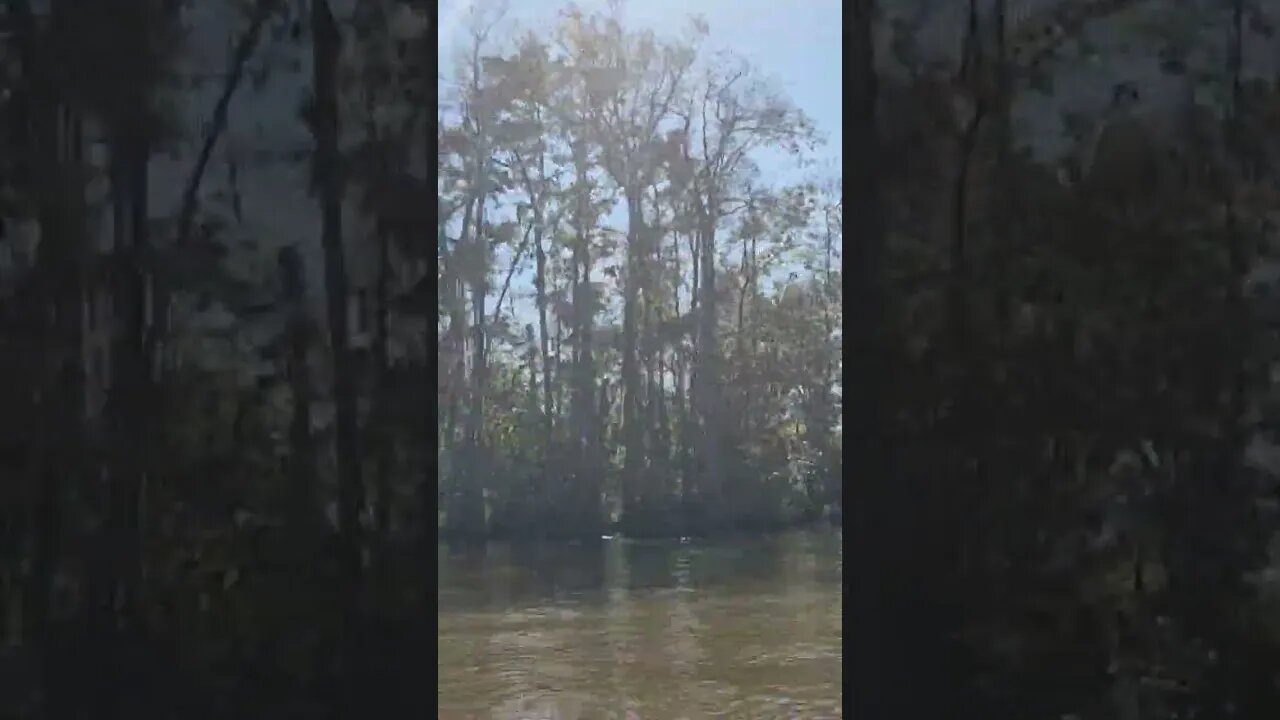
(634,629)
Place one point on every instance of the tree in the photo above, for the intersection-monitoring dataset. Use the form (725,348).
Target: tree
(629,85)
(732,115)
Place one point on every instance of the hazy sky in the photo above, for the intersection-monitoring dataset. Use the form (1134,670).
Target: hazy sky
(796,44)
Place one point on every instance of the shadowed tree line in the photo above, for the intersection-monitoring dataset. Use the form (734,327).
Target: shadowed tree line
(184,536)
(1063,350)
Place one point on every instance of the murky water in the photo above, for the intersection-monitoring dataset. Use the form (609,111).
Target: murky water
(649,630)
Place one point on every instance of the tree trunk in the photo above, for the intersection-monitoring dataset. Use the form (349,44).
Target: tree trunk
(131,390)
(455,347)
(706,390)
(633,510)
(833,482)
(1004,139)
(190,202)
(429,483)
(588,459)
(302,450)
(544,350)
(326,43)
(1237,355)
(689,429)
(466,516)
(466,512)
(384,447)
(56,296)
(537,200)
(679,431)
(740,339)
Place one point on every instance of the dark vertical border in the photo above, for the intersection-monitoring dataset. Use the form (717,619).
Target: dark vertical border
(431,476)
(870,634)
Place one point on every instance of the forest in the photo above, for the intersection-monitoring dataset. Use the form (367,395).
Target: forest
(216,269)
(1061,364)
(1060,499)
(196,462)
(675,368)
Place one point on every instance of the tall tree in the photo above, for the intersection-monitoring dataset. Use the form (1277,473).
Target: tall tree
(631,84)
(326,48)
(733,115)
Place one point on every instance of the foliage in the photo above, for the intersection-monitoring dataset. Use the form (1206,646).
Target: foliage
(558,131)
(1072,370)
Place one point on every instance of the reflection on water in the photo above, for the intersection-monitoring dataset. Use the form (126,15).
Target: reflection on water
(651,630)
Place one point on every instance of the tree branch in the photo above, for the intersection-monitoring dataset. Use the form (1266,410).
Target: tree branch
(244,49)
(187,207)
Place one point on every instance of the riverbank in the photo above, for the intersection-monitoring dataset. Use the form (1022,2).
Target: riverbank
(657,528)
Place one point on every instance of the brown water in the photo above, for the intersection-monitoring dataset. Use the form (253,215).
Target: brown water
(649,630)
